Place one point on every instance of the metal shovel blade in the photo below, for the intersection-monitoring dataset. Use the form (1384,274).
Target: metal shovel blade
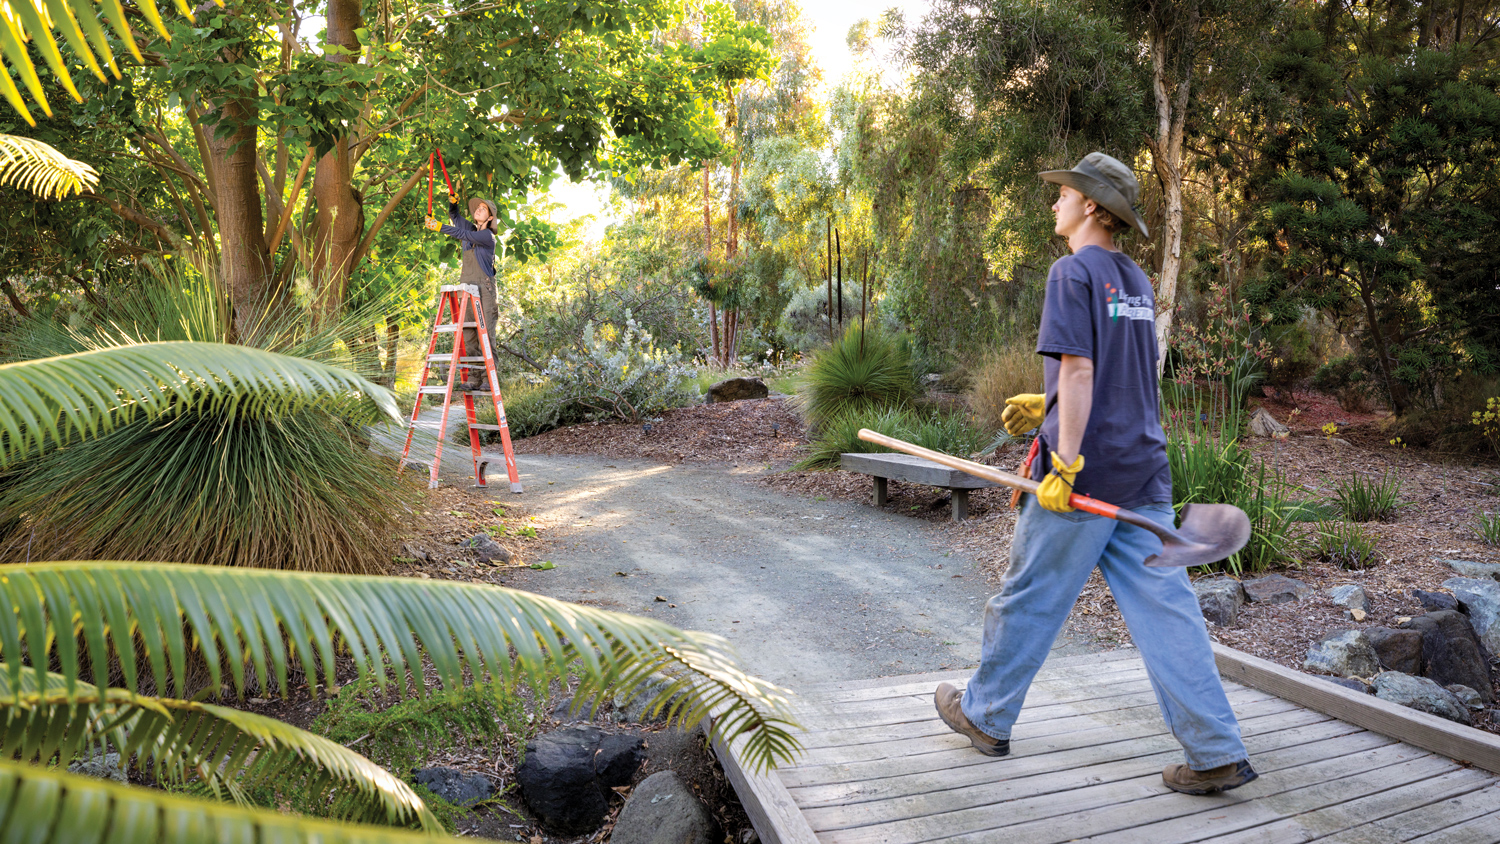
(1208,534)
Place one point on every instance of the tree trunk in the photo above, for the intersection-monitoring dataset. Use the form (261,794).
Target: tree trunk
(708,250)
(340,219)
(1400,401)
(1171,97)
(244,260)
(731,250)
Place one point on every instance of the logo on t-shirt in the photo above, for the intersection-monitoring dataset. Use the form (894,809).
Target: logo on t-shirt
(1129,307)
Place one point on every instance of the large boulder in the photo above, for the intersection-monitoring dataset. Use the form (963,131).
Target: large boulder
(1452,653)
(568,773)
(737,389)
(1263,424)
(661,810)
(1480,599)
(104,766)
(1276,589)
(1220,598)
(1346,653)
(1421,694)
(1397,650)
(455,786)
(1349,683)
(1477,571)
(1432,601)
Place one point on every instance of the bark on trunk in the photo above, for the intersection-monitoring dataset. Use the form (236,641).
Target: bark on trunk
(244,260)
(1400,401)
(340,220)
(1171,97)
(708,250)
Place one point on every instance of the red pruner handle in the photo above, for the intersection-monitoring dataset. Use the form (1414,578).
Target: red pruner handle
(1094,505)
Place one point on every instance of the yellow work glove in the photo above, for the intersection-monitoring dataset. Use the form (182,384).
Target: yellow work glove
(1023,412)
(452,199)
(1057,487)
(432,224)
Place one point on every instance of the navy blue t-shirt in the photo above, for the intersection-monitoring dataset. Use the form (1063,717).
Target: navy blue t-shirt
(1100,306)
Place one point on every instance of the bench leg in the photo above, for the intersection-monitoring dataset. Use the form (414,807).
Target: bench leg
(880,497)
(960,504)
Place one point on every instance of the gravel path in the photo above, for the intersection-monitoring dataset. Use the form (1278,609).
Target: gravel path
(808,591)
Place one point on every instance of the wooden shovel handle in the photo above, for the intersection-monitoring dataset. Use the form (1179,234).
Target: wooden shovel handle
(1000,476)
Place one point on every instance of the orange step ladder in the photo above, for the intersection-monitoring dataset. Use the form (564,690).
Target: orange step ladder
(461,302)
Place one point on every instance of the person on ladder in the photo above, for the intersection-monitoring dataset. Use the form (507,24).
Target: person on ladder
(478,269)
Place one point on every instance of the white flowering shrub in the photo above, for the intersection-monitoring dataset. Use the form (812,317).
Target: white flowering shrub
(619,374)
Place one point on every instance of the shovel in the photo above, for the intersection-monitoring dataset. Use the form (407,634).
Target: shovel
(1208,533)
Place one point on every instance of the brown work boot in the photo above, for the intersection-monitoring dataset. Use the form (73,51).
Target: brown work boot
(948,699)
(1181,778)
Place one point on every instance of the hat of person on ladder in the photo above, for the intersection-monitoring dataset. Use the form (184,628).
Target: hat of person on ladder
(1107,181)
(494,221)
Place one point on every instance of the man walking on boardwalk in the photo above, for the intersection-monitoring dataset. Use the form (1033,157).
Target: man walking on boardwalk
(1098,336)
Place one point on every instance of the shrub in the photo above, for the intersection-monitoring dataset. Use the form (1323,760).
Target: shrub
(1487,527)
(946,432)
(862,372)
(624,376)
(1219,470)
(1344,544)
(1002,372)
(1347,380)
(804,321)
(1368,501)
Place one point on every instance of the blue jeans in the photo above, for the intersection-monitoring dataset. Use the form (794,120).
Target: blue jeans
(1051,558)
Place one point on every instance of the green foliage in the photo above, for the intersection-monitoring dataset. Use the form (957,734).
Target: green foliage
(1344,544)
(402,736)
(530,409)
(619,375)
(1364,500)
(1487,527)
(1217,469)
(860,373)
(945,432)
(804,320)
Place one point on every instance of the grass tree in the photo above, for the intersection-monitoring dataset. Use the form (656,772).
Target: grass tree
(84,641)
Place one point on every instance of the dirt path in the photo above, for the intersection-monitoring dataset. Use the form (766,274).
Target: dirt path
(807,590)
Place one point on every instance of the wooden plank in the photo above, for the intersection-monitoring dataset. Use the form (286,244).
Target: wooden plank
(1102,674)
(955,751)
(905,467)
(1114,764)
(1455,810)
(1268,732)
(1359,820)
(1211,821)
(1126,804)
(1430,732)
(1484,829)
(913,722)
(776,819)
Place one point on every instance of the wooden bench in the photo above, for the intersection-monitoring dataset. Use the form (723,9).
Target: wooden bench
(905,467)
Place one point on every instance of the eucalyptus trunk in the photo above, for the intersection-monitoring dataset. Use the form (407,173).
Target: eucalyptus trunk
(340,220)
(1171,96)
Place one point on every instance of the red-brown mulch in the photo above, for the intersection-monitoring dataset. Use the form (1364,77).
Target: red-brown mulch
(752,432)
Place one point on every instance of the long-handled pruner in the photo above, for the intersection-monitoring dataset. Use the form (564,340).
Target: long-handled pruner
(1208,532)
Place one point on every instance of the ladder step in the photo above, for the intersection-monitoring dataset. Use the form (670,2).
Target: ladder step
(459,288)
(433,390)
(479,427)
(448,357)
(453,326)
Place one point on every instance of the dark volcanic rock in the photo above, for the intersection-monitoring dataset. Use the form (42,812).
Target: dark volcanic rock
(1276,589)
(1421,694)
(1220,599)
(1398,650)
(1451,652)
(1432,601)
(568,773)
(661,810)
(455,786)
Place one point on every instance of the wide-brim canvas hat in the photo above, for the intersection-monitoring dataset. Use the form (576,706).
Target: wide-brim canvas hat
(1107,181)
(475,202)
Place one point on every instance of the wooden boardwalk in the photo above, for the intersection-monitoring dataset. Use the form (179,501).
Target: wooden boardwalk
(1086,766)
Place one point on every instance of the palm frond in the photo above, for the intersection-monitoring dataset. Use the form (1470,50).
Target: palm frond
(229,750)
(38,168)
(85,394)
(79,22)
(271,621)
(48,806)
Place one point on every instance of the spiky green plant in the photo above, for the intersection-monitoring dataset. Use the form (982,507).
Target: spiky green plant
(128,626)
(863,371)
(1345,544)
(262,485)
(1370,500)
(946,432)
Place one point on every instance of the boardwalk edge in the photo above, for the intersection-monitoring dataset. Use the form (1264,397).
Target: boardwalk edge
(1429,732)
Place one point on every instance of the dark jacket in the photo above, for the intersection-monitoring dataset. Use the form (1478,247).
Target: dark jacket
(482,241)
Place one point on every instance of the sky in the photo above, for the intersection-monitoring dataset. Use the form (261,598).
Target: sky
(830,21)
